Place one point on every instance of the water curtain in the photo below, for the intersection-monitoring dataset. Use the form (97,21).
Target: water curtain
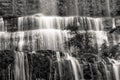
(36,33)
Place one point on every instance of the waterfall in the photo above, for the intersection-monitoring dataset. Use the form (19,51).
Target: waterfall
(41,44)
(38,32)
(49,39)
(74,66)
(48,32)
(4,36)
(21,67)
(116,68)
(55,26)
(2,27)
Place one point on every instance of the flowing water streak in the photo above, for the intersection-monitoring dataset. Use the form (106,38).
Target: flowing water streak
(19,66)
(116,68)
(21,40)
(106,71)
(27,71)
(113,22)
(108,7)
(76,67)
(59,64)
(101,35)
(77,9)
(114,40)
(78,73)
(2,27)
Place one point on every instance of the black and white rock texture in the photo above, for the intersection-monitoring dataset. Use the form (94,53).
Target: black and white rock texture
(60,7)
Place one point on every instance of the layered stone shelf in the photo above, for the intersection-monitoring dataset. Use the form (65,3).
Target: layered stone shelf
(10,10)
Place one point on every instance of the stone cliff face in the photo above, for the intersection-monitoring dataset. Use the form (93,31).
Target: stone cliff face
(6,8)
(17,8)
(64,8)
(10,10)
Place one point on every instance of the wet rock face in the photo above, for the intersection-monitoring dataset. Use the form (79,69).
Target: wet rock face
(64,8)
(6,64)
(44,66)
(11,23)
(12,7)
(6,58)
(41,64)
(6,7)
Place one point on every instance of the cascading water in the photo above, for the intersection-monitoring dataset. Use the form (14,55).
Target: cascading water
(4,36)
(19,66)
(38,32)
(40,39)
(116,68)
(2,28)
(40,53)
(50,31)
(55,25)
(74,66)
